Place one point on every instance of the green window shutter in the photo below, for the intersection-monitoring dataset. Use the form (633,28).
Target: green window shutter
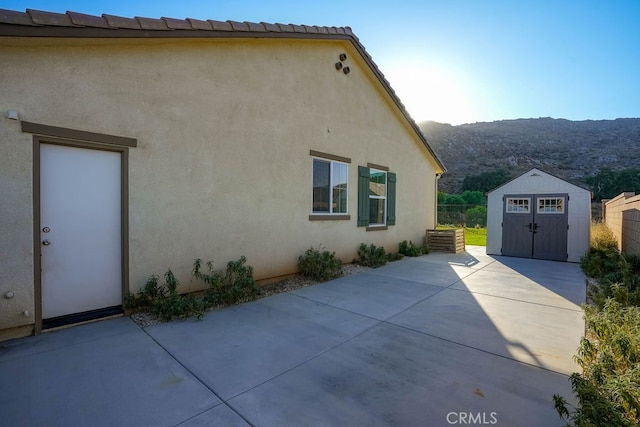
(363,196)
(391,198)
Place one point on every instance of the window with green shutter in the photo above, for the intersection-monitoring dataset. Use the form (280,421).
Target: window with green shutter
(376,197)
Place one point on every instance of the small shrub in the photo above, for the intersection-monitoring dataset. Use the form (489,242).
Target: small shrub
(609,355)
(597,263)
(164,301)
(411,250)
(394,257)
(609,267)
(229,287)
(371,256)
(236,284)
(602,237)
(320,265)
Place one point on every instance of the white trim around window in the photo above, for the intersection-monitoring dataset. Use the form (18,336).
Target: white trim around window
(518,205)
(550,205)
(377,197)
(330,187)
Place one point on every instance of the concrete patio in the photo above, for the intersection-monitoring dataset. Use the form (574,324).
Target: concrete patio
(430,341)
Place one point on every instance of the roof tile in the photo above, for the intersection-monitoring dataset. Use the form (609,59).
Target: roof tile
(239,26)
(50,18)
(197,24)
(13,17)
(121,22)
(151,24)
(88,20)
(298,28)
(177,24)
(221,25)
(311,29)
(322,30)
(258,28)
(271,27)
(285,28)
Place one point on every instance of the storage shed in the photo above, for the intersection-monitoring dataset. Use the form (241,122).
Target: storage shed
(538,215)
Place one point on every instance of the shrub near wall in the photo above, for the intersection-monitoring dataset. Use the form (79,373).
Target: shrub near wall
(319,265)
(608,389)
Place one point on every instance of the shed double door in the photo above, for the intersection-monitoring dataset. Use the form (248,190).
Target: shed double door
(535,226)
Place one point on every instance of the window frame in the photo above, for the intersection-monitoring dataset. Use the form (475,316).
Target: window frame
(373,170)
(331,160)
(507,205)
(542,210)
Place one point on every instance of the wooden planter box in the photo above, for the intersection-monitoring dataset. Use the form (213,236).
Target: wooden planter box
(446,240)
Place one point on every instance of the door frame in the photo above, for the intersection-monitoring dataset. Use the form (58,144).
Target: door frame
(533,214)
(44,134)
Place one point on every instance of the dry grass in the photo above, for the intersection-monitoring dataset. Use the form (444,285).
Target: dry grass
(602,237)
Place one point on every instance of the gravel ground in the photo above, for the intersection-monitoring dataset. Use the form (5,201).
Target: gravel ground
(144,319)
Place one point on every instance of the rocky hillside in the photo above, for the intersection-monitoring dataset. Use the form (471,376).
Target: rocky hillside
(568,149)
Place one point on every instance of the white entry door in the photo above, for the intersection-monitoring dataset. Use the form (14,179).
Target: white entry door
(80,231)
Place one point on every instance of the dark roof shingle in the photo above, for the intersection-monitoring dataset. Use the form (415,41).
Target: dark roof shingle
(50,18)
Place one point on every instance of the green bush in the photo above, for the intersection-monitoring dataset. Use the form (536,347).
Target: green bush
(234,285)
(371,256)
(609,267)
(609,355)
(319,265)
(607,390)
(597,263)
(409,249)
(476,216)
(164,300)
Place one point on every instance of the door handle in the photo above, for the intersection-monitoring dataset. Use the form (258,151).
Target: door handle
(46,242)
(530,226)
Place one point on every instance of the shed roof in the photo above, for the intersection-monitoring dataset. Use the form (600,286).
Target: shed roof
(37,23)
(534,171)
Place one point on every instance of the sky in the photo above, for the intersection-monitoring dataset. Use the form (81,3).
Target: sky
(457,61)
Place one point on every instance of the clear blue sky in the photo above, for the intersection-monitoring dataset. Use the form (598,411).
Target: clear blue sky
(458,61)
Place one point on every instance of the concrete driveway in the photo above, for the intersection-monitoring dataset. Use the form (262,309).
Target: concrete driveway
(432,341)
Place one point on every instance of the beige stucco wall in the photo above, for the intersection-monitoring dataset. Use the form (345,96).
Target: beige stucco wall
(222,168)
(622,216)
(16,224)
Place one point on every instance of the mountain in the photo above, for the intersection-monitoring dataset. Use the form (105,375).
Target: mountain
(571,150)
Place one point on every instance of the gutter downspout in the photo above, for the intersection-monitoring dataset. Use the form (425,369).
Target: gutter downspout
(435,213)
